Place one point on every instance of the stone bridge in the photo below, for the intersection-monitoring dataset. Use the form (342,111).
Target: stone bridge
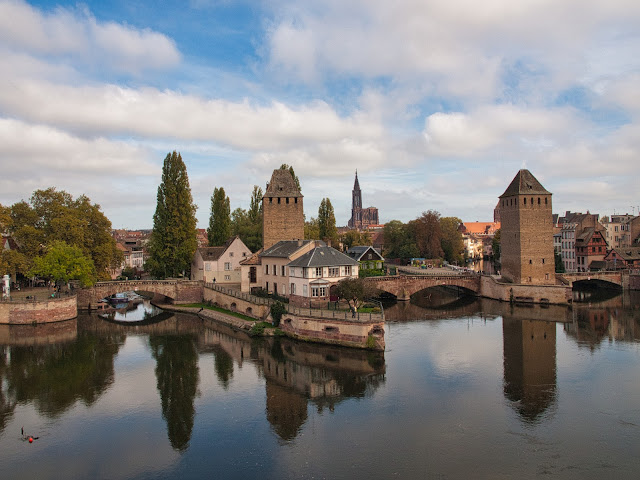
(178,291)
(619,278)
(403,286)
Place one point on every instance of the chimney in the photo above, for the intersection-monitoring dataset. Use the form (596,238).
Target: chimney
(299,242)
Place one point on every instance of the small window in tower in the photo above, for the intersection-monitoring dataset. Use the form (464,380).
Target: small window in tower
(546,201)
(543,261)
(538,200)
(525,201)
(532,201)
(295,200)
(530,261)
(270,199)
(287,200)
(278,200)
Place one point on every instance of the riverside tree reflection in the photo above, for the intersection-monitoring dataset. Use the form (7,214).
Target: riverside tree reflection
(177,377)
(55,376)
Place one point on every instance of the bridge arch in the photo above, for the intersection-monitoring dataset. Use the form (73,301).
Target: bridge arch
(403,286)
(177,291)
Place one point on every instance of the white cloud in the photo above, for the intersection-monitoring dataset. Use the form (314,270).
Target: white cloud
(78,34)
(504,126)
(458,47)
(155,114)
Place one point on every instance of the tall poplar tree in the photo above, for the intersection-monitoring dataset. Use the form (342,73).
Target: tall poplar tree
(173,240)
(219,229)
(327,222)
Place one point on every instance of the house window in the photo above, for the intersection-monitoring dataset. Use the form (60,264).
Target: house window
(318,272)
(305,291)
(275,270)
(318,291)
(293,289)
(334,271)
(347,270)
(266,269)
(283,267)
(227,277)
(207,267)
(230,254)
(227,265)
(284,289)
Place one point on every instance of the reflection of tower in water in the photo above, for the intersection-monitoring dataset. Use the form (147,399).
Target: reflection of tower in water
(529,366)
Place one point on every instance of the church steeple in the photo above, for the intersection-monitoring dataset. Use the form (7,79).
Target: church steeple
(356,194)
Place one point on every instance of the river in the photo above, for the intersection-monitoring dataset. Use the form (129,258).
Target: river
(467,388)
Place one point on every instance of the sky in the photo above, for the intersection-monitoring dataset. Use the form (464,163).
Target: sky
(436,103)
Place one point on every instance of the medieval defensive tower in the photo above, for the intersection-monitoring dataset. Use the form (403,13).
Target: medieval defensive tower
(282,213)
(526,237)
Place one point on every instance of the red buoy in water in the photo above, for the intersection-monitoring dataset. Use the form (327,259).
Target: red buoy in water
(30,439)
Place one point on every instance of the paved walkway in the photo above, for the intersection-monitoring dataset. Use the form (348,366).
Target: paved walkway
(35,293)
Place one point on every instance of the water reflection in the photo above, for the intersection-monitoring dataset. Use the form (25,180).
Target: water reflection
(53,367)
(613,318)
(529,348)
(296,373)
(177,376)
(138,311)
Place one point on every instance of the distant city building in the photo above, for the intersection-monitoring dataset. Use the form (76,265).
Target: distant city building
(361,218)
(477,238)
(572,227)
(526,237)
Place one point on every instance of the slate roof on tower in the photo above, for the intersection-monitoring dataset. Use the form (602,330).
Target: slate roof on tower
(282,184)
(524,183)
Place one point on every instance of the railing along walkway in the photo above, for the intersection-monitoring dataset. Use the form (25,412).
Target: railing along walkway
(300,311)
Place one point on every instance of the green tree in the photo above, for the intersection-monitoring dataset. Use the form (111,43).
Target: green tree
(355,291)
(495,248)
(559,262)
(312,229)
(54,215)
(327,230)
(451,242)
(427,234)
(247,224)
(63,263)
(174,238)
(219,229)
(284,166)
(399,239)
(354,238)
(5,218)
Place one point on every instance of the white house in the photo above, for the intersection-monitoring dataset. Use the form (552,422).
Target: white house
(312,275)
(220,264)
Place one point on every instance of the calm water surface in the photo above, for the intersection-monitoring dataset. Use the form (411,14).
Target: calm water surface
(466,389)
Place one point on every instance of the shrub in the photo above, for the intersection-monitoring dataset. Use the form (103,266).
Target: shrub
(277,310)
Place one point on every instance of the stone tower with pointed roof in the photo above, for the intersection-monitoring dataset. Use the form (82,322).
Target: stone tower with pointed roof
(526,237)
(282,212)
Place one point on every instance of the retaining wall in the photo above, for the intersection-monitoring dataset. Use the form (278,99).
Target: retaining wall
(506,292)
(28,312)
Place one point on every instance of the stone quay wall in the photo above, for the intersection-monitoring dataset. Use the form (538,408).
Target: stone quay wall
(29,312)
(507,292)
(350,333)
(236,304)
